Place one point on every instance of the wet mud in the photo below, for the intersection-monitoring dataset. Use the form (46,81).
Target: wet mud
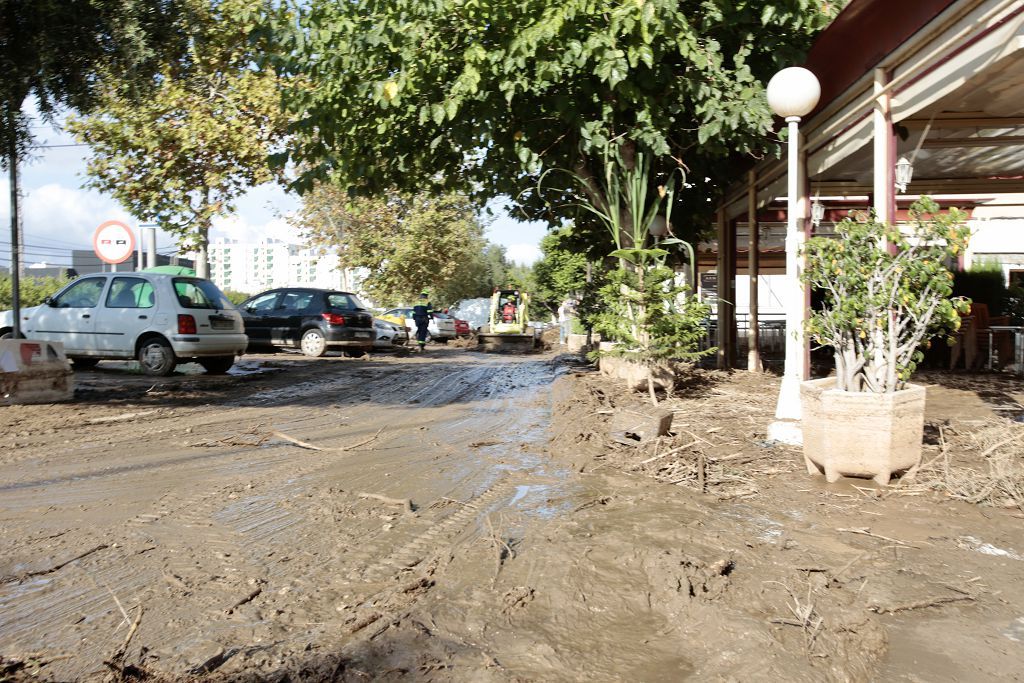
(466,517)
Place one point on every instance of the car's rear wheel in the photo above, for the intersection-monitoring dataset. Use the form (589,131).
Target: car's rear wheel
(157,357)
(313,343)
(217,365)
(6,334)
(84,363)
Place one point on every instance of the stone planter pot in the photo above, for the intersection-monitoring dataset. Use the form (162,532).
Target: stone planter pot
(634,374)
(859,434)
(577,343)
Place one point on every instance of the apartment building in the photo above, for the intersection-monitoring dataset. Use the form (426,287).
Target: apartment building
(253,267)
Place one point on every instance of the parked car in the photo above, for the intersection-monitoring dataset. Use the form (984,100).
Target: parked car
(309,319)
(462,328)
(441,327)
(389,334)
(160,319)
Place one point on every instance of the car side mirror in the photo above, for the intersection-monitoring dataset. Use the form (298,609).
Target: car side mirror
(49,301)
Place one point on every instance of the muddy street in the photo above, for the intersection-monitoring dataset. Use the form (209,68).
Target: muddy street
(460,516)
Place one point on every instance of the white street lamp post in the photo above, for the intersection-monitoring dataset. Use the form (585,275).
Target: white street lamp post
(792,93)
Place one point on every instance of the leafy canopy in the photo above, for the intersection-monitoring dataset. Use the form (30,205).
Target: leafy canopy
(200,139)
(886,292)
(407,243)
(54,50)
(486,94)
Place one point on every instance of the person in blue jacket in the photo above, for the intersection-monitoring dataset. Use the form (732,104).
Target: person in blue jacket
(422,313)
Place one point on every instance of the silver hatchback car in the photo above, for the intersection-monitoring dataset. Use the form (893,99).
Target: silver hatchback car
(159,319)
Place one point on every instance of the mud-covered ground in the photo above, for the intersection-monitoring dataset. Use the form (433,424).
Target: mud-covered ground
(462,517)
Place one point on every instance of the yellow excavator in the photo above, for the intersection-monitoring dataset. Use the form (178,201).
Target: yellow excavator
(508,329)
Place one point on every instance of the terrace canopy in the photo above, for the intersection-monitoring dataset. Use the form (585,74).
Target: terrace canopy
(939,82)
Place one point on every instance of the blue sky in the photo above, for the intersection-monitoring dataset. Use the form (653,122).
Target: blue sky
(58,214)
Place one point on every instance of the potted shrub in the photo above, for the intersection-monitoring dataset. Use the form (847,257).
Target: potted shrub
(886,293)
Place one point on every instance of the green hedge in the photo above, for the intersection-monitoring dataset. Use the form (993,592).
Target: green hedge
(32,290)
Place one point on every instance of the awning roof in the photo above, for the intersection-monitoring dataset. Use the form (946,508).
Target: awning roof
(955,73)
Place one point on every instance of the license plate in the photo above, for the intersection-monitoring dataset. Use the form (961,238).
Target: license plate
(222,323)
(362,335)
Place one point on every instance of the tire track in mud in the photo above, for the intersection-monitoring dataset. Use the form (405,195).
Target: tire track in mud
(221,537)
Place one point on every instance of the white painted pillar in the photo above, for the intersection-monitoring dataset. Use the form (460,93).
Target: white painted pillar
(884,150)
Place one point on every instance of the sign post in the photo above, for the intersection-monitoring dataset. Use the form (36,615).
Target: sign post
(113,242)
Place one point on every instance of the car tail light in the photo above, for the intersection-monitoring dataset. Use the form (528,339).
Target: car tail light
(186,324)
(334,318)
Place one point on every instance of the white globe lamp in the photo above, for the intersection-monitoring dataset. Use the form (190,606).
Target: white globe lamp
(793,93)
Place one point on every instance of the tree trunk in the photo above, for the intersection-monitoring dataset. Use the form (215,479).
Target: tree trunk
(203,241)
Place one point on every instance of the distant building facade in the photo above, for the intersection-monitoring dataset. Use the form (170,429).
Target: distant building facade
(252,267)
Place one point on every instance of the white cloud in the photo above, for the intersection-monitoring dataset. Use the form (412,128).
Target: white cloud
(523,254)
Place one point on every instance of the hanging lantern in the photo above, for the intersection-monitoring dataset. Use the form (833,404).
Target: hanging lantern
(904,172)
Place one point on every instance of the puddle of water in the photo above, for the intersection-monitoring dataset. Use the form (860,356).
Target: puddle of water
(1015,631)
(536,500)
(12,592)
(972,543)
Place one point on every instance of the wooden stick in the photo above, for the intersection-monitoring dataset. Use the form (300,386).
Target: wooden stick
(120,652)
(669,452)
(56,567)
(920,604)
(404,502)
(867,532)
(297,442)
(306,444)
(361,443)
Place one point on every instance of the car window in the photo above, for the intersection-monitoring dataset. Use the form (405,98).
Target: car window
(296,301)
(82,294)
(264,303)
(197,293)
(130,292)
(343,300)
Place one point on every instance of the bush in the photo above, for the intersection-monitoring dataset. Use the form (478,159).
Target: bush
(880,306)
(32,290)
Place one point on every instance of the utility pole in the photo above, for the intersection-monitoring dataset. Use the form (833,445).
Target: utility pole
(12,160)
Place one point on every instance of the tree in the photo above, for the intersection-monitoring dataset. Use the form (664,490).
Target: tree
(485,95)
(202,137)
(561,272)
(54,50)
(407,243)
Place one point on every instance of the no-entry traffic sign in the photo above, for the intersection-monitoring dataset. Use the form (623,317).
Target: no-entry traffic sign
(114,242)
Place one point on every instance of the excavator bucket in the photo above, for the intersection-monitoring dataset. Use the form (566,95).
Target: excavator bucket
(506,343)
(34,372)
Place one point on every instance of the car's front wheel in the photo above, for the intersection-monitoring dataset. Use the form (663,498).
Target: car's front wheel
(218,365)
(313,343)
(157,357)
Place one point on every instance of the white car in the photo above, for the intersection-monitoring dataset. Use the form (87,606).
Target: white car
(389,335)
(159,319)
(439,328)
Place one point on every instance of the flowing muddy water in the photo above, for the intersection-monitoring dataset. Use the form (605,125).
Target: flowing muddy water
(243,551)
(457,524)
